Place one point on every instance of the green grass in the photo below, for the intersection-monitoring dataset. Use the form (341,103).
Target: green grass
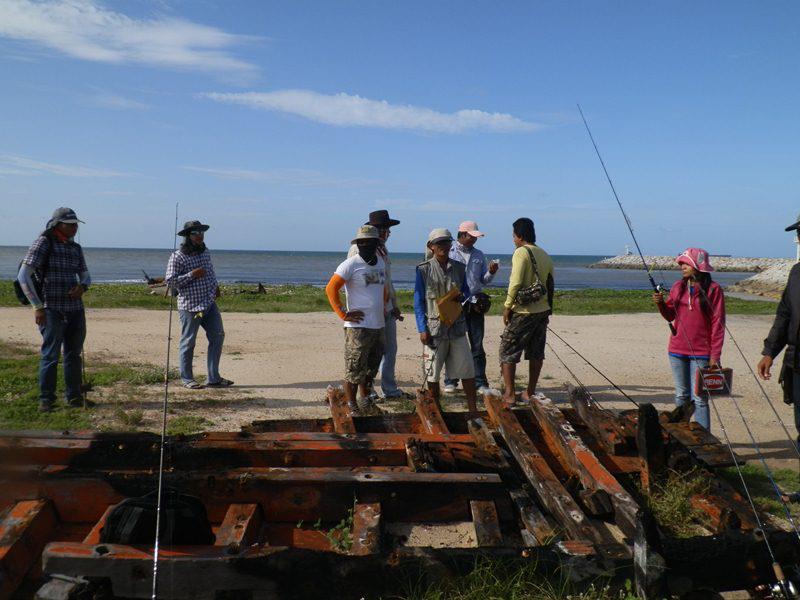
(307,298)
(499,580)
(19,403)
(670,503)
(761,489)
(186,424)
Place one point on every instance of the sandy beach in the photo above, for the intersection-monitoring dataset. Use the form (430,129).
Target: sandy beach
(282,364)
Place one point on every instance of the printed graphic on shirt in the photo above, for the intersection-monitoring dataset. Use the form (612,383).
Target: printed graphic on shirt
(364,287)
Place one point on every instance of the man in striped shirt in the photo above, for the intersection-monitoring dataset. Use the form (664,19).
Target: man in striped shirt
(190,273)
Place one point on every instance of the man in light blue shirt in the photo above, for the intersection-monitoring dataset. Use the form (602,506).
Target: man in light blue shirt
(479,274)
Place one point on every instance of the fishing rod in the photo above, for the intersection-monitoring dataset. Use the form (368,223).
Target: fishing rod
(163,426)
(656,287)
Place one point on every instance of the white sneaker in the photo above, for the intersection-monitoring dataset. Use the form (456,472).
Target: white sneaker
(484,389)
(449,389)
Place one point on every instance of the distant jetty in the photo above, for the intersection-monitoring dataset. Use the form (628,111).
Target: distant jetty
(667,263)
(769,282)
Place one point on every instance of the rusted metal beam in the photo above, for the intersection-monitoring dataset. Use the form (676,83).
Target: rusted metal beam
(562,438)
(429,414)
(240,527)
(702,444)
(551,492)
(366,529)
(24,531)
(284,494)
(340,411)
(613,435)
(93,537)
(487,525)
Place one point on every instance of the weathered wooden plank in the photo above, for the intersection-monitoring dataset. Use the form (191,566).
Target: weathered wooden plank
(429,414)
(610,433)
(340,411)
(592,474)
(536,523)
(487,525)
(650,445)
(240,527)
(366,528)
(24,531)
(702,444)
(546,485)
(93,537)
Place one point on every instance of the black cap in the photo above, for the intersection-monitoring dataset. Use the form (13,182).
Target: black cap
(795,226)
(192,226)
(381,220)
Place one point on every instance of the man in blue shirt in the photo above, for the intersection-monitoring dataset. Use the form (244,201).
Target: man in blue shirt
(479,274)
(443,343)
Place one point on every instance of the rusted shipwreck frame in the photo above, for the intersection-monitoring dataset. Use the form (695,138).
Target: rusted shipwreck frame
(559,486)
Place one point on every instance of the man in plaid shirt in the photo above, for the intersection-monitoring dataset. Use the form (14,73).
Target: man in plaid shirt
(191,274)
(58,309)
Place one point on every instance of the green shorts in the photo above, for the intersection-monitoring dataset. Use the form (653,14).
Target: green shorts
(526,333)
(363,351)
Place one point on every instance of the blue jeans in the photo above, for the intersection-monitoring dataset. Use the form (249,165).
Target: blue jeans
(475,328)
(388,381)
(67,329)
(191,322)
(684,372)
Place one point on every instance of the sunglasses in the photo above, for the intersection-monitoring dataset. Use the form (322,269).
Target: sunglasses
(196,232)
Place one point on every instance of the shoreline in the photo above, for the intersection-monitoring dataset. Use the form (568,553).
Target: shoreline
(722,264)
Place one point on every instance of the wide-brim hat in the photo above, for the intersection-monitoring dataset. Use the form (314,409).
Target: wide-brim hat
(366,232)
(381,219)
(794,226)
(697,258)
(440,234)
(192,226)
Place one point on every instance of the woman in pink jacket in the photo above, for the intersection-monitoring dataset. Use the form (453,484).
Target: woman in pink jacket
(696,309)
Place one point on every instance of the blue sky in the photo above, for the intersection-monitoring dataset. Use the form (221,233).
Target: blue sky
(282,124)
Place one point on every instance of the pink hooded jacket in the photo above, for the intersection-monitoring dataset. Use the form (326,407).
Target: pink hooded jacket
(704,327)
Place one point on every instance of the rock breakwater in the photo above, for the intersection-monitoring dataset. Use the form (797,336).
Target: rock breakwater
(667,263)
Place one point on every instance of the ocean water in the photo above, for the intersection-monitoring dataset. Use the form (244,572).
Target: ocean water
(275,267)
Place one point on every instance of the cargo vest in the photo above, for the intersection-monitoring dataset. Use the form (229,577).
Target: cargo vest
(438,282)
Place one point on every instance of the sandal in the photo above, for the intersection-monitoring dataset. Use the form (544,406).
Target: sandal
(221,383)
(193,385)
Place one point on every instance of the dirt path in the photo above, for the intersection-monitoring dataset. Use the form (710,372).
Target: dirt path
(282,363)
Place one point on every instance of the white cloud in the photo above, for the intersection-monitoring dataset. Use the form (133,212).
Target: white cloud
(300,177)
(85,29)
(116,102)
(19,165)
(345,110)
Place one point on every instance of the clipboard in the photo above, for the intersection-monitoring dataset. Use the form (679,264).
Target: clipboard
(449,307)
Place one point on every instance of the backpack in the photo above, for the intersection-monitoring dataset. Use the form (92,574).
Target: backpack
(184,521)
(37,276)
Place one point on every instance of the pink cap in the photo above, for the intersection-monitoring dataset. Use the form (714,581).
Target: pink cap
(697,258)
(470,227)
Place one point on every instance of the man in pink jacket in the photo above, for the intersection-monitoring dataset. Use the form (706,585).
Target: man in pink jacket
(696,308)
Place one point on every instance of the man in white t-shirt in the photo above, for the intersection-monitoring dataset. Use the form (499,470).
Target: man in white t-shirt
(363,277)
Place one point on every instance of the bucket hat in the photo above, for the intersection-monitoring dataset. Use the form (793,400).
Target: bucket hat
(192,226)
(366,232)
(440,234)
(697,258)
(64,215)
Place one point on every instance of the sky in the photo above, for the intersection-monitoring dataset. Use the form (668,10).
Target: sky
(283,124)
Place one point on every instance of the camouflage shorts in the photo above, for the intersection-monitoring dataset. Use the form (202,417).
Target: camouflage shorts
(363,351)
(524,332)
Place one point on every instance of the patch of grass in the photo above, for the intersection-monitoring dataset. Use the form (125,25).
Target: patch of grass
(308,298)
(19,382)
(186,425)
(129,418)
(761,488)
(670,503)
(495,579)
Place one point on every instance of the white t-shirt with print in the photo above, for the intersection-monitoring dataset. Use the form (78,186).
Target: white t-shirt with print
(364,286)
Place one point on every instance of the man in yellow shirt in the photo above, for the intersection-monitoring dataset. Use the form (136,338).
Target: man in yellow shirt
(526,322)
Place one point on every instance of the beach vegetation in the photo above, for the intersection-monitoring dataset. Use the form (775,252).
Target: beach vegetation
(670,501)
(186,424)
(308,298)
(761,488)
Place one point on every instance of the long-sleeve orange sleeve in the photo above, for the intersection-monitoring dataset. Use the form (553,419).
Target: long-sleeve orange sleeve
(332,291)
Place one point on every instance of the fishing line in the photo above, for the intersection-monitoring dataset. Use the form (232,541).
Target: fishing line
(586,360)
(156,546)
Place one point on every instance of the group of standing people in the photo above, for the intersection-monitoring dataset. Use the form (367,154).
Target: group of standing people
(449,311)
